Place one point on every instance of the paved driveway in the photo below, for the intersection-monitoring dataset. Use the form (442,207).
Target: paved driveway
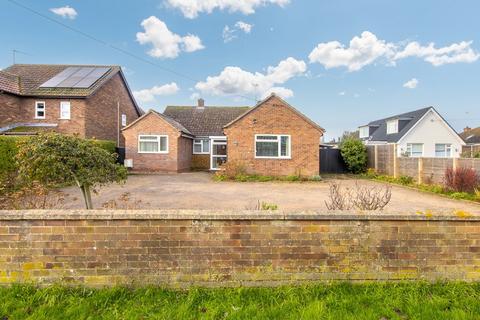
(197,191)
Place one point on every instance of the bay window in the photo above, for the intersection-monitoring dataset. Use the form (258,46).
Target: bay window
(272,146)
(152,144)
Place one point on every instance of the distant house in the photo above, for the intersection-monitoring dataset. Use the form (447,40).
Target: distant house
(420,133)
(272,138)
(89,100)
(472,139)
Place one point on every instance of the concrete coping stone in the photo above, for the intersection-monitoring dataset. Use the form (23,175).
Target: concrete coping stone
(55,214)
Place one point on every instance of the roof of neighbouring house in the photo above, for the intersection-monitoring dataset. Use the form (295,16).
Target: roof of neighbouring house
(409,120)
(471,135)
(171,121)
(9,82)
(35,80)
(204,121)
(30,78)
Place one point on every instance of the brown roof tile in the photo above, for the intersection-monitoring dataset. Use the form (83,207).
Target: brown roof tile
(206,121)
(31,76)
(9,82)
(471,136)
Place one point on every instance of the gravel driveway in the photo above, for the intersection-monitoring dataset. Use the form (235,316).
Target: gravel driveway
(196,190)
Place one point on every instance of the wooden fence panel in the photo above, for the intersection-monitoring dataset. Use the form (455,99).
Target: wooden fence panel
(408,167)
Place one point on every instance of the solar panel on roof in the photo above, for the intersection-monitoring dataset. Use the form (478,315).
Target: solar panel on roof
(53,82)
(76,77)
(90,79)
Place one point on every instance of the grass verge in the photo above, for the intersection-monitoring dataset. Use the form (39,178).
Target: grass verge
(412,300)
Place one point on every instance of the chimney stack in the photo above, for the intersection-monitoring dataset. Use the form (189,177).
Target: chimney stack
(201,103)
(467,129)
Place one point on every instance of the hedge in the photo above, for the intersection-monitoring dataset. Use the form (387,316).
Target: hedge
(8,150)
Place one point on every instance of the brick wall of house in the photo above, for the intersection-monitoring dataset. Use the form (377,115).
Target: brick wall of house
(201,161)
(152,124)
(22,110)
(184,154)
(11,110)
(102,116)
(184,248)
(274,117)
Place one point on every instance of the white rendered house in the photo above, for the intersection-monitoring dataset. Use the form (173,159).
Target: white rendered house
(420,133)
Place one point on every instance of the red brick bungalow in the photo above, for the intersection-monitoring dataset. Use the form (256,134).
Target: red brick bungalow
(91,101)
(272,138)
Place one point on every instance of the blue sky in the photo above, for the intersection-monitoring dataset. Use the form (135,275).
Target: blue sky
(298,48)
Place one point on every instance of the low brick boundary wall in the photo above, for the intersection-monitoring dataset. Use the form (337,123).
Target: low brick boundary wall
(181,248)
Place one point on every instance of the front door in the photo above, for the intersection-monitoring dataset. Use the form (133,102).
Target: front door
(218,154)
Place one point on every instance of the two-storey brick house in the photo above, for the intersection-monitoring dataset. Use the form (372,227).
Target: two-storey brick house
(89,100)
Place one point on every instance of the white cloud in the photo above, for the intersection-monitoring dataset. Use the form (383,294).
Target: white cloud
(454,53)
(148,95)
(230,33)
(368,49)
(341,93)
(411,84)
(245,27)
(362,51)
(191,8)
(195,96)
(66,12)
(166,44)
(234,80)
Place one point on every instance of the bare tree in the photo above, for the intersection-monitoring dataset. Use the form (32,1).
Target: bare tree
(366,197)
(339,200)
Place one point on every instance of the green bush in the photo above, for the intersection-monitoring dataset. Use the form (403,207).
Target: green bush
(9,149)
(108,145)
(354,154)
(405,180)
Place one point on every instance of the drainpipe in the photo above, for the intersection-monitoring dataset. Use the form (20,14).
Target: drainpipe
(118,124)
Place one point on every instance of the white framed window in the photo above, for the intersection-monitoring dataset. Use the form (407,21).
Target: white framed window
(364,132)
(443,150)
(273,146)
(124,120)
(39,109)
(392,126)
(415,150)
(201,146)
(65,110)
(152,144)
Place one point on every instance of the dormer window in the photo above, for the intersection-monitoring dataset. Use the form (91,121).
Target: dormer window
(392,126)
(364,132)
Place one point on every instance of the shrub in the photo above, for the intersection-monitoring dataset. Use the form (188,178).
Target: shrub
(354,154)
(461,195)
(52,159)
(107,145)
(405,180)
(461,180)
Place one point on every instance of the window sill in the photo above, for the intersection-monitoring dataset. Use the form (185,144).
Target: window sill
(160,152)
(274,158)
(201,153)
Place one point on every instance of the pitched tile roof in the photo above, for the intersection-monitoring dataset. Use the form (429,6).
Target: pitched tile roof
(171,121)
(9,82)
(204,121)
(409,119)
(26,79)
(31,76)
(471,136)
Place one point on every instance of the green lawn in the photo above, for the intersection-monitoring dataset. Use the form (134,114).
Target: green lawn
(337,301)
